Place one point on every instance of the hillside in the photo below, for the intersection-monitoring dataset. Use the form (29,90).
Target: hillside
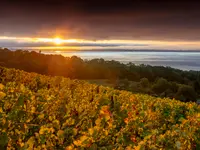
(157,81)
(41,112)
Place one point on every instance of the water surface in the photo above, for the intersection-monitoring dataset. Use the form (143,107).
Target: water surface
(180,60)
(184,60)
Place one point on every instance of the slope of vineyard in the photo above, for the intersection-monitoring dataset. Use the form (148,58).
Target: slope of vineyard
(41,112)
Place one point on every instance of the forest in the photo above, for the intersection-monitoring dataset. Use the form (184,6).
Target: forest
(157,81)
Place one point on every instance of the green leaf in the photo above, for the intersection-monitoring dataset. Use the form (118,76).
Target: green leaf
(104,101)
(21,100)
(93,147)
(3,139)
(178,144)
(198,146)
(43,139)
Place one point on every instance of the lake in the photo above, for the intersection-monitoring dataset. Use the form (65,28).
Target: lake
(181,60)
(184,60)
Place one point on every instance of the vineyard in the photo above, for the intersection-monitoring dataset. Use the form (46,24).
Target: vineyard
(42,112)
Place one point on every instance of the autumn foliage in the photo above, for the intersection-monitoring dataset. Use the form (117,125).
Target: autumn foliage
(42,112)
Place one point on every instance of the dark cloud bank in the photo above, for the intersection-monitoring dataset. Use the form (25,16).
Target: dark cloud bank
(138,20)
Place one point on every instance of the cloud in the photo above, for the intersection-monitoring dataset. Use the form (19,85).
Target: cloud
(50,43)
(101,19)
(29,42)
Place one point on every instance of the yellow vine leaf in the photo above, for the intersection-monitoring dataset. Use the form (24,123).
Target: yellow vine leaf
(1,86)
(69,147)
(2,95)
(41,116)
(1,110)
(98,122)
(30,143)
(60,133)
(91,131)
(33,109)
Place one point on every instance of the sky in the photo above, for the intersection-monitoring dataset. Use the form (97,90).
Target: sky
(123,24)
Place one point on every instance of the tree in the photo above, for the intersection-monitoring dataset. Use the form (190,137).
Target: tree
(144,82)
(186,93)
(161,85)
(169,93)
(122,84)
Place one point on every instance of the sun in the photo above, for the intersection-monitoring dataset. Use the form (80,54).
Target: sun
(57,41)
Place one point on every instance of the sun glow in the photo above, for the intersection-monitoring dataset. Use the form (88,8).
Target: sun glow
(58,41)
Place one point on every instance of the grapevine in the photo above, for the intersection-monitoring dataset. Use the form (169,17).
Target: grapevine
(42,112)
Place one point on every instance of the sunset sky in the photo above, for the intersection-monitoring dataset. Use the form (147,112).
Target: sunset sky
(138,24)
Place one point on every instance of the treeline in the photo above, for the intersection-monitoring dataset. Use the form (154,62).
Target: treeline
(154,80)
(159,88)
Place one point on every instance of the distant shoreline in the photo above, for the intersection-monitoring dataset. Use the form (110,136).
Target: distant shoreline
(97,50)
(179,59)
